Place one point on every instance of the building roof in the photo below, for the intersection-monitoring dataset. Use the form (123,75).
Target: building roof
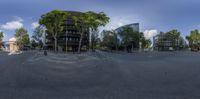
(127,25)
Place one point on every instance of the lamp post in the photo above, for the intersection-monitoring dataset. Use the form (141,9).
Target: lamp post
(140,46)
(140,43)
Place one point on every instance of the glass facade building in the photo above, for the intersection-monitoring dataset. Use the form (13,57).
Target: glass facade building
(134,26)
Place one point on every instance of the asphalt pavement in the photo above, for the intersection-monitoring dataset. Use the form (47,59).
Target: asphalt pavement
(151,75)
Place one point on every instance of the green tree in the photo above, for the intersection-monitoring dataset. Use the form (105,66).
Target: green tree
(98,43)
(22,37)
(1,36)
(189,39)
(171,39)
(130,38)
(95,20)
(34,44)
(110,40)
(54,22)
(146,43)
(89,21)
(94,39)
(174,36)
(80,24)
(37,35)
(194,39)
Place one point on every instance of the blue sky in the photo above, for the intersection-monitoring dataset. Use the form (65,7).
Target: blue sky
(153,15)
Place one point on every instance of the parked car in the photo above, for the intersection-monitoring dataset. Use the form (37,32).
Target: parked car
(171,49)
(194,50)
(146,49)
(26,47)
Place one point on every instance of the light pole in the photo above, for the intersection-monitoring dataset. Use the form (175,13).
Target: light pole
(140,43)
(44,35)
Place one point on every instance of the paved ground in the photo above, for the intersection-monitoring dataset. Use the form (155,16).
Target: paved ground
(155,75)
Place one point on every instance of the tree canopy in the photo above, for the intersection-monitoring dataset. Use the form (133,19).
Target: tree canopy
(110,39)
(130,37)
(194,39)
(1,36)
(146,43)
(54,22)
(89,21)
(22,37)
(94,20)
(171,38)
(126,38)
(38,35)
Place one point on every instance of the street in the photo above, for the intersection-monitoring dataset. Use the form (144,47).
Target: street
(151,75)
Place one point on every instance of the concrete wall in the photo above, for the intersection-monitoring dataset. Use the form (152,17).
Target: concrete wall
(13,47)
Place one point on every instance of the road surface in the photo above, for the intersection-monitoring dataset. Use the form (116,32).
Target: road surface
(153,75)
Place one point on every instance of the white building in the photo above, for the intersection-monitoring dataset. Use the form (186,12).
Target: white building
(11,45)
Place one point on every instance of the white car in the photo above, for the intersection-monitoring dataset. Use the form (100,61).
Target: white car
(171,48)
(146,50)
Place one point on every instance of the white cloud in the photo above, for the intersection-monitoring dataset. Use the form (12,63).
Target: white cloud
(118,21)
(12,25)
(18,19)
(5,36)
(34,25)
(149,34)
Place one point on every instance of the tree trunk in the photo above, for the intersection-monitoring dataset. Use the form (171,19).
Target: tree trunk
(80,42)
(92,45)
(90,38)
(55,44)
(66,40)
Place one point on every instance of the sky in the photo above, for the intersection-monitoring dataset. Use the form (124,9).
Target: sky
(153,15)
